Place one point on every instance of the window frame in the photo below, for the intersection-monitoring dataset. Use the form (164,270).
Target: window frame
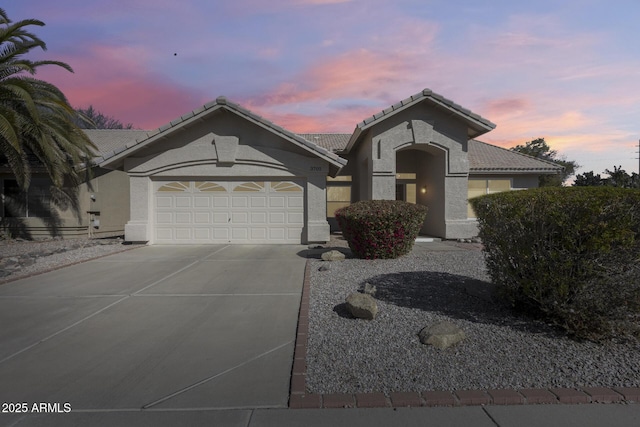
(487,187)
(342,182)
(38,189)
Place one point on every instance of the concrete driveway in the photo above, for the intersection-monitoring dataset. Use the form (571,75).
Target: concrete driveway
(158,327)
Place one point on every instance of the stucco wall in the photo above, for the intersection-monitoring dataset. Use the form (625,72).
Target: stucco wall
(111,191)
(363,163)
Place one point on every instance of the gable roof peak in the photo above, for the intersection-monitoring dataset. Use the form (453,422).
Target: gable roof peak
(221,102)
(477,125)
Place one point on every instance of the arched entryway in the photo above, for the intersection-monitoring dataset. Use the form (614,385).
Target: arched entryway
(420,178)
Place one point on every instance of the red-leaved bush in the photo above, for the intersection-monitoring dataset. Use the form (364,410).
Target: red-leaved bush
(381,228)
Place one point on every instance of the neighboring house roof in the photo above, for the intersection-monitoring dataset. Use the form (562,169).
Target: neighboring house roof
(477,125)
(330,141)
(142,140)
(483,157)
(489,158)
(108,141)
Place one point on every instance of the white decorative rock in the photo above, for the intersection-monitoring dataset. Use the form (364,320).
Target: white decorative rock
(441,335)
(362,306)
(332,255)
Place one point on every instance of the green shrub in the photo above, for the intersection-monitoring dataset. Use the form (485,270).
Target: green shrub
(571,254)
(381,228)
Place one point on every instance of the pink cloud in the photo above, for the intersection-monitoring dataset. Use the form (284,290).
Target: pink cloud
(330,121)
(362,74)
(507,107)
(115,81)
(401,61)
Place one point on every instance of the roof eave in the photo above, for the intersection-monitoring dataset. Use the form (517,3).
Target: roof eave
(515,171)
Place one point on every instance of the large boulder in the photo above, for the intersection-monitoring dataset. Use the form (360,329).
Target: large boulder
(441,335)
(362,306)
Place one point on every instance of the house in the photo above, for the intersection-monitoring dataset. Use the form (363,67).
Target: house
(222,174)
(99,207)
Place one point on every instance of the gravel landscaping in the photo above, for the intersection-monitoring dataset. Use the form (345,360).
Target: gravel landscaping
(21,258)
(502,350)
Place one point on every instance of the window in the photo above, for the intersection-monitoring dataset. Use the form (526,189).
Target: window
(338,194)
(406,187)
(34,203)
(479,187)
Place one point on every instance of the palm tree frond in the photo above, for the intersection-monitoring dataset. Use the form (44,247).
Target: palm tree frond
(36,120)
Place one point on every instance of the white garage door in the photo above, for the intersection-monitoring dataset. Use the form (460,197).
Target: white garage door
(228,212)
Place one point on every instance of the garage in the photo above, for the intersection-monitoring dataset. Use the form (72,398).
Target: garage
(223,175)
(219,211)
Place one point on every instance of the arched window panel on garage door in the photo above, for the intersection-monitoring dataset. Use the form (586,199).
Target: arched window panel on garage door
(250,186)
(175,186)
(286,186)
(208,187)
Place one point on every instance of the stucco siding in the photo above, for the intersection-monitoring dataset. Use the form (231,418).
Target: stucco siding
(110,207)
(110,204)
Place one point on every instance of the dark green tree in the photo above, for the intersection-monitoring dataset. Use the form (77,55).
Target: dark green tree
(36,121)
(620,178)
(539,148)
(90,118)
(588,179)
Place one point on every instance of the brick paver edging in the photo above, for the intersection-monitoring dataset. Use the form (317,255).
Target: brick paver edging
(299,398)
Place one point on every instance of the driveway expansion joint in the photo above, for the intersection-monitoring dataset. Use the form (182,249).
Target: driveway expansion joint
(213,377)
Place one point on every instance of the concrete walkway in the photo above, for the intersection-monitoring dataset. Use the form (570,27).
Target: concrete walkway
(592,415)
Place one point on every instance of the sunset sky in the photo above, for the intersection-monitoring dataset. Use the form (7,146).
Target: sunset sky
(564,70)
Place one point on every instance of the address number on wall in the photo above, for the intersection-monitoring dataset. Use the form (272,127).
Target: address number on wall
(316,168)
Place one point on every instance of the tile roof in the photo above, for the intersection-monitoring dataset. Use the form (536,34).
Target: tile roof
(110,140)
(485,157)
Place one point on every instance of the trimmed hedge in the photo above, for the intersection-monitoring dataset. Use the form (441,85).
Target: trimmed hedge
(381,228)
(571,254)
